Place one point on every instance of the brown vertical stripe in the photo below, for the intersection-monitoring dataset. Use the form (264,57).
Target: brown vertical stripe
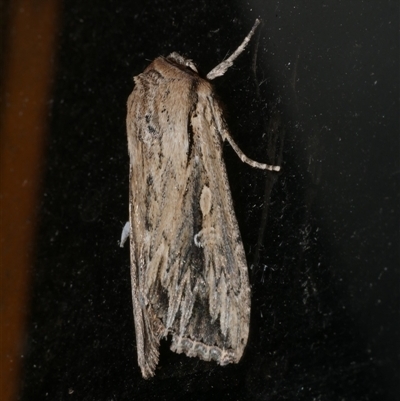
(28,73)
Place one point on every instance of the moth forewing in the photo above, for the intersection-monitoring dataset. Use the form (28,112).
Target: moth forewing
(188,267)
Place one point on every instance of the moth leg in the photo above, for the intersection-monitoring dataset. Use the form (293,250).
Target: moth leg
(125,234)
(221,68)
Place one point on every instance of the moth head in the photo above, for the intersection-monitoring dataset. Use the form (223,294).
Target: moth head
(185,62)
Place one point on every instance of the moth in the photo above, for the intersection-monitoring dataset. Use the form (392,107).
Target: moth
(188,267)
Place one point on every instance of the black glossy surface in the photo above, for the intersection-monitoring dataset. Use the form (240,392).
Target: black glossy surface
(325,292)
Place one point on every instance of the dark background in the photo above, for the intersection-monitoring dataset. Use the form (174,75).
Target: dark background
(325,274)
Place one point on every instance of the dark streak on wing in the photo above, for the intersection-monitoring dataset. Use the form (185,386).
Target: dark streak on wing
(193,99)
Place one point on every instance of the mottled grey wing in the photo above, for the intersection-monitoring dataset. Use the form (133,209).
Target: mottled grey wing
(189,274)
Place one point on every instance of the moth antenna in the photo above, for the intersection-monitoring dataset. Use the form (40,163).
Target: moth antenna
(221,68)
(246,159)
